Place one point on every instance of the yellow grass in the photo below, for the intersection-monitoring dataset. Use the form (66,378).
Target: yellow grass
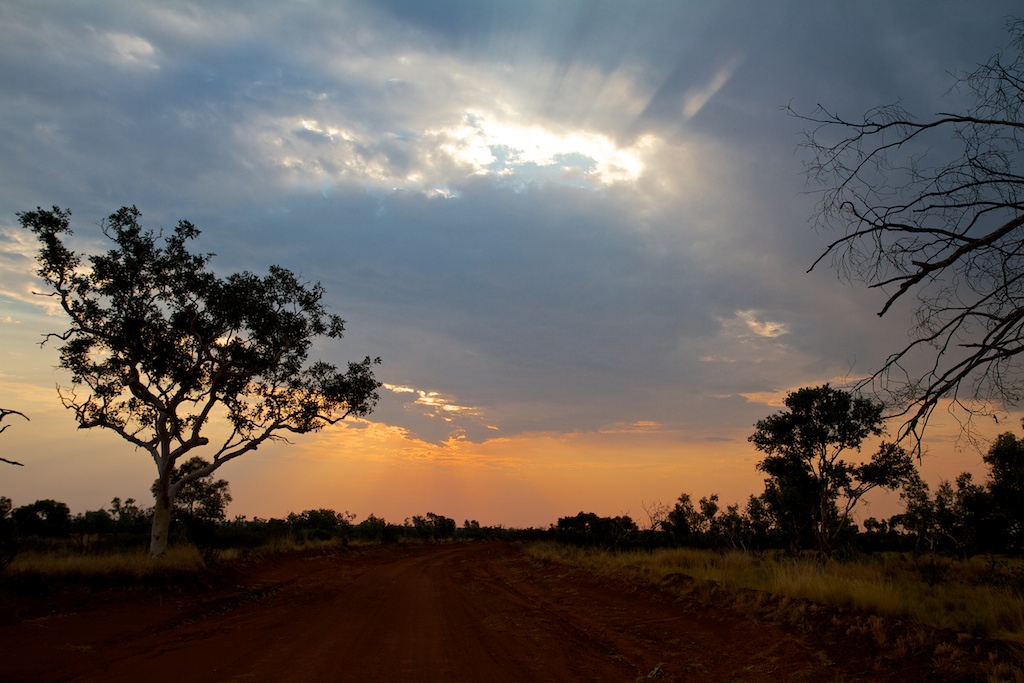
(180,560)
(976,596)
(127,564)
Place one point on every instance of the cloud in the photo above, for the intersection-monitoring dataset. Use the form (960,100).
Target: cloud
(636,427)
(748,336)
(553,218)
(762,327)
(18,282)
(452,421)
(506,148)
(130,50)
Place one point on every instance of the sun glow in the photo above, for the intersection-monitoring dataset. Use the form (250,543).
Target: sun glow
(490,146)
(316,151)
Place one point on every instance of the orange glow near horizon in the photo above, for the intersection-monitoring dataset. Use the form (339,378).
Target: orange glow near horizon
(527,480)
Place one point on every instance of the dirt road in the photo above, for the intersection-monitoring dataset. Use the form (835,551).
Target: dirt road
(473,612)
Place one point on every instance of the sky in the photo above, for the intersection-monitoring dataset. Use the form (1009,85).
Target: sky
(577,232)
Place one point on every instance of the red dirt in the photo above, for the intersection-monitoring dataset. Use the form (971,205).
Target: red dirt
(471,612)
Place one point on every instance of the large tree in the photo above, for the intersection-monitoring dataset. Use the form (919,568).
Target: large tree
(806,462)
(931,211)
(173,358)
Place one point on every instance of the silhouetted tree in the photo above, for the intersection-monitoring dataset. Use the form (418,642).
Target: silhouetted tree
(933,209)
(1005,459)
(433,527)
(759,521)
(375,528)
(919,517)
(683,520)
(957,520)
(590,529)
(805,445)
(321,524)
(45,518)
(129,517)
(159,346)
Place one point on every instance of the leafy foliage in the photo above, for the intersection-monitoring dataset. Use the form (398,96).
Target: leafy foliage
(810,482)
(966,518)
(46,518)
(1005,459)
(321,524)
(433,527)
(590,529)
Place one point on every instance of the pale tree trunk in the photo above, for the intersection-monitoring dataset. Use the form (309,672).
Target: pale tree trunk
(161,531)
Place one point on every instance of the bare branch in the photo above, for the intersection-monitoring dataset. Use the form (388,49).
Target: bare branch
(934,209)
(4,414)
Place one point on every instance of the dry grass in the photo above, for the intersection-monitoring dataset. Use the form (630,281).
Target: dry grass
(978,596)
(131,566)
(68,562)
(120,565)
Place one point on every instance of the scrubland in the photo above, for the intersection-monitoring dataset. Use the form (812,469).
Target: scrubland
(979,597)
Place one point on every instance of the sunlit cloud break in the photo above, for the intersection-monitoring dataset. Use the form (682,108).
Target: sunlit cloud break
(761,327)
(490,146)
(315,151)
(435,403)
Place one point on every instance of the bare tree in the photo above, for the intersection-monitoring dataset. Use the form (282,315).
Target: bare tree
(932,214)
(4,414)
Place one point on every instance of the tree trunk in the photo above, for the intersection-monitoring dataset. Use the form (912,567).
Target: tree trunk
(161,531)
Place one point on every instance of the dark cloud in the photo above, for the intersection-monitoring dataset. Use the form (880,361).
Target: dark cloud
(558,216)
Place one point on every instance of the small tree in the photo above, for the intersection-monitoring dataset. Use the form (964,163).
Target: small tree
(46,518)
(159,347)
(129,517)
(1005,459)
(682,521)
(805,443)
(320,525)
(4,414)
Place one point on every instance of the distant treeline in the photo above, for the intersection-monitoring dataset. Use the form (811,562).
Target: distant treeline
(46,523)
(961,518)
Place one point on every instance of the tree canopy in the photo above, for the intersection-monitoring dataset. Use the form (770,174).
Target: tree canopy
(159,347)
(931,212)
(811,483)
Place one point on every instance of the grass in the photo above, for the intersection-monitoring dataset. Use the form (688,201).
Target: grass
(129,566)
(981,597)
(135,566)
